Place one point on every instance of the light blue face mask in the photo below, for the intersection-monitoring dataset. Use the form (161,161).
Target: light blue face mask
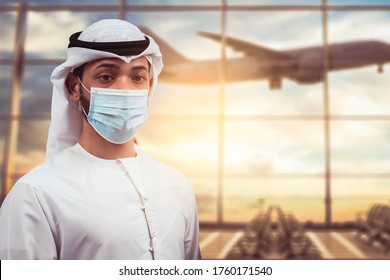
(117,114)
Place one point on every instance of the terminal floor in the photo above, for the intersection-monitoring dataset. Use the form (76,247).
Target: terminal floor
(333,244)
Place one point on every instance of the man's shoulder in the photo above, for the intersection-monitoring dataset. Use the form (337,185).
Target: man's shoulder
(162,169)
(29,184)
(166,179)
(37,176)
(48,170)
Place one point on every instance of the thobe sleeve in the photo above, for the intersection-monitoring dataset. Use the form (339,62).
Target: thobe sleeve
(26,225)
(191,245)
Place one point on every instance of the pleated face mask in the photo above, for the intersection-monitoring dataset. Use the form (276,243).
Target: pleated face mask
(117,114)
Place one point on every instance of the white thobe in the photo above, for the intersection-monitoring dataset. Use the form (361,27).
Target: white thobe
(78,206)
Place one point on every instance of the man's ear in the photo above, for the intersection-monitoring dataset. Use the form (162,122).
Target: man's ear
(73,86)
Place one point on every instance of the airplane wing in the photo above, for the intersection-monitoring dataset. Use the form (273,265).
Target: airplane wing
(248,48)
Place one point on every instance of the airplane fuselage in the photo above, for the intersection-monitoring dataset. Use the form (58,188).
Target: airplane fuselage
(207,72)
(303,65)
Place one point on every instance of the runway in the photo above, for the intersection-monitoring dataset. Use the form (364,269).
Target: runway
(332,244)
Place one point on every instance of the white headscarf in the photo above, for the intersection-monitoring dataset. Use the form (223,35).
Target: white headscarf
(66,118)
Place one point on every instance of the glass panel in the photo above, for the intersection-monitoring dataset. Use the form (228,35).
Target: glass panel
(361,53)
(8,2)
(173,2)
(31,145)
(279,31)
(255,98)
(37,90)
(190,146)
(340,26)
(189,62)
(73,2)
(7,34)
(5,88)
(277,69)
(360,147)
(206,197)
(360,92)
(175,100)
(353,196)
(53,30)
(273,2)
(245,197)
(359,2)
(268,147)
(179,31)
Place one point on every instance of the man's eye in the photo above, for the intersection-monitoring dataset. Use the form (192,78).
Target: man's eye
(106,78)
(139,78)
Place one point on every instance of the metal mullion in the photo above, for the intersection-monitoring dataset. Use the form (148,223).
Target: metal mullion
(325,65)
(19,118)
(314,8)
(12,127)
(221,116)
(199,8)
(286,118)
(122,9)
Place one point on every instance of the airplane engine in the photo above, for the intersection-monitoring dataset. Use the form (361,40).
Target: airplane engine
(309,69)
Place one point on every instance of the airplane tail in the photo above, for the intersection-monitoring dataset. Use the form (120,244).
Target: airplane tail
(170,55)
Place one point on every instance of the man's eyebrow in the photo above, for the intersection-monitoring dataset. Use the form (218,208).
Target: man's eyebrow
(107,65)
(141,67)
(116,67)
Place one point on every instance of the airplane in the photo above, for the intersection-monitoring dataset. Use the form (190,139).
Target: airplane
(302,65)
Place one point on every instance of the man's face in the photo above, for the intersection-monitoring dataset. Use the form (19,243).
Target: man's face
(114,73)
(111,73)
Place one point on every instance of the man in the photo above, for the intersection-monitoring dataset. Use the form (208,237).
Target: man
(97,196)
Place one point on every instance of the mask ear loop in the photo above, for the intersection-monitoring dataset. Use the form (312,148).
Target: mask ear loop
(81,107)
(78,78)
